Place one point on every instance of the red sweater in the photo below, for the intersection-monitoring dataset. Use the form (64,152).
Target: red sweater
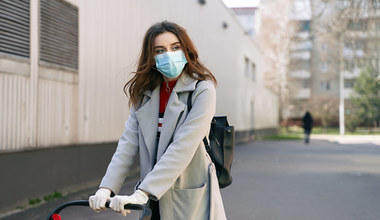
(165,91)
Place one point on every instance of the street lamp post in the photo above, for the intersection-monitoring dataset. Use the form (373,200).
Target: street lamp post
(341,103)
(341,88)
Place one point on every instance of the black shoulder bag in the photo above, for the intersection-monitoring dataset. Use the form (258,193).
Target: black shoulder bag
(221,147)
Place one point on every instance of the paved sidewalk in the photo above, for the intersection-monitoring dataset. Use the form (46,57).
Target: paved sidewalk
(41,211)
(349,139)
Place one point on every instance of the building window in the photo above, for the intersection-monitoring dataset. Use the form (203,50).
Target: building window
(325,85)
(59,33)
(253,72)
(202,2)
(344,4)
(348,44)
(324,46)
(296,64)
(304,26)
(306,84)
(249,68)
(361,63)
(349,65)
(373,47)
(349,83)
(14,27)
(363,4)
(376,3)
(357,25)
(359,44)
(324,67)
(377,26)
(246,66)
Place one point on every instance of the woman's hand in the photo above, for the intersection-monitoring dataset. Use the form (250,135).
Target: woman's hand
(118,202)
(98,201)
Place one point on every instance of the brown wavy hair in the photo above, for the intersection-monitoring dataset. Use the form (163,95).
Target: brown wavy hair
(147,77)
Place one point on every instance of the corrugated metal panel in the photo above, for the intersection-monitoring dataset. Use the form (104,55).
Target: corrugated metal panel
(59,33)
(57,113)
(15,103)
(57,119)
(14,27)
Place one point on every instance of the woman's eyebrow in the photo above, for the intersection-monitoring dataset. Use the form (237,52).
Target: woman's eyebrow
(170,45)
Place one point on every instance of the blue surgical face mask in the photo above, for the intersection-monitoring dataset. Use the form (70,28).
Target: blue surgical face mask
(171,64)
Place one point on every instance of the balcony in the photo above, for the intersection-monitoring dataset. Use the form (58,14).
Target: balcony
(348,92)
(351,74)
(302,93)
(349,53)
(301,55)
(301,45)
(302,74)
(303,35)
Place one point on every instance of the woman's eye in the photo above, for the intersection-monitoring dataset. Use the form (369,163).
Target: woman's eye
(158,51)
(176,48)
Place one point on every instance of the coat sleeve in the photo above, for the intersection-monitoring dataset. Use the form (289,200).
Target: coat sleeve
(123,158)
(185,143)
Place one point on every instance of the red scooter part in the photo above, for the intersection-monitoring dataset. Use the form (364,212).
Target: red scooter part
(56,217)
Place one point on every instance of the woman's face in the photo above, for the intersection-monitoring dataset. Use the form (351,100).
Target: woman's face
(166,42)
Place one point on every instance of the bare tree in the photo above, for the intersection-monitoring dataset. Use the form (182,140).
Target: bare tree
(345,21)
(324,109)
(275,33)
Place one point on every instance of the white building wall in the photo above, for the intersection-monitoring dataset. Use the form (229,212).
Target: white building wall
(112,37)
(267,108)
(90,107)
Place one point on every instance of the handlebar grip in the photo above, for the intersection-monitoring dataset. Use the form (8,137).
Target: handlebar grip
(130,206)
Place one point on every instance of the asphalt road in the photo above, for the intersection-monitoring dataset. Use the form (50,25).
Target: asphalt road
(280,180)
(288,180)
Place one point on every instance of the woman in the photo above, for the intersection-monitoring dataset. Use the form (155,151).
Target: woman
(177,177)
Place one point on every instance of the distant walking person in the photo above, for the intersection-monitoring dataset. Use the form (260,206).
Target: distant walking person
(307,125)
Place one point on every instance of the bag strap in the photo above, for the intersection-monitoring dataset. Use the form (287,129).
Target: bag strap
(189,106)
(190,97)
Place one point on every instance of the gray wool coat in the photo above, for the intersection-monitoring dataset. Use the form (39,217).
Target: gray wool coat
(184,178)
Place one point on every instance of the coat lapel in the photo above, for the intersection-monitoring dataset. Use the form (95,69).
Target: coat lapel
(174,111)
(147,117)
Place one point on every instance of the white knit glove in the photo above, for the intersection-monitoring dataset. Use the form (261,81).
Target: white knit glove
(98,201)
(118,202)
